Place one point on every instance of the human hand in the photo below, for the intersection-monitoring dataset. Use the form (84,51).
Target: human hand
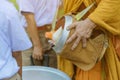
(37,53)
(83,30)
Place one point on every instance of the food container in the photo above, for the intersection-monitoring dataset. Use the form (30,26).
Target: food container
(43,73)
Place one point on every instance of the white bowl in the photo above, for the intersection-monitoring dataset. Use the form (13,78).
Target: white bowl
(43,73)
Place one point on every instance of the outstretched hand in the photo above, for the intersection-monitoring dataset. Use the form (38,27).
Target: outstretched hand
(83,30)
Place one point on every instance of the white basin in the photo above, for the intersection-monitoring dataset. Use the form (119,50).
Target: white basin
(43,73)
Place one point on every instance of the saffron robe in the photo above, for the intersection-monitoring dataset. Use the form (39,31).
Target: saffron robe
(106,14)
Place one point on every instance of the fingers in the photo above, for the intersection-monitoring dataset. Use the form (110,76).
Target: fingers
(71,38)
(76,43)
(72,26)
(37,57)
(37,53)
(84,42)
(89,34)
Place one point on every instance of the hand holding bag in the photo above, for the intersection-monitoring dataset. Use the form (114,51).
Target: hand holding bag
(86,58)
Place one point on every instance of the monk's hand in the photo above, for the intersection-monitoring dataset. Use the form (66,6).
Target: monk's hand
(37,53)
(83,30)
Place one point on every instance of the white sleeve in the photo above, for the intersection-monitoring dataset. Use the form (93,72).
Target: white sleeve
(13,29)
(18,36)
(5,50)
(25,6)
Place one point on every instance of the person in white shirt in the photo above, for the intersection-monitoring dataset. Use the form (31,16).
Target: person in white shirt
(38,13)
(13,39)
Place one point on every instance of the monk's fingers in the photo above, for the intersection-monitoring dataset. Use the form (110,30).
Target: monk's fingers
(76,43)
(71,38)
(84,42)
(89,34)
(72,26)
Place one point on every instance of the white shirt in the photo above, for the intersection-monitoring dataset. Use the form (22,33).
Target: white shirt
(12,38)
(44,10)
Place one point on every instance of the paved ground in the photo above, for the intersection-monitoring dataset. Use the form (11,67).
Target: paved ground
(26,61)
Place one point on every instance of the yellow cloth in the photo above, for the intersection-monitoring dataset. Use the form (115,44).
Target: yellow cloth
(112,63)
(71,5)
(65,66)
(106,15)
(93,74)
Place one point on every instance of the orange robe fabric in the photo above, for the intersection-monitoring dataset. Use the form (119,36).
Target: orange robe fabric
(107,15)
